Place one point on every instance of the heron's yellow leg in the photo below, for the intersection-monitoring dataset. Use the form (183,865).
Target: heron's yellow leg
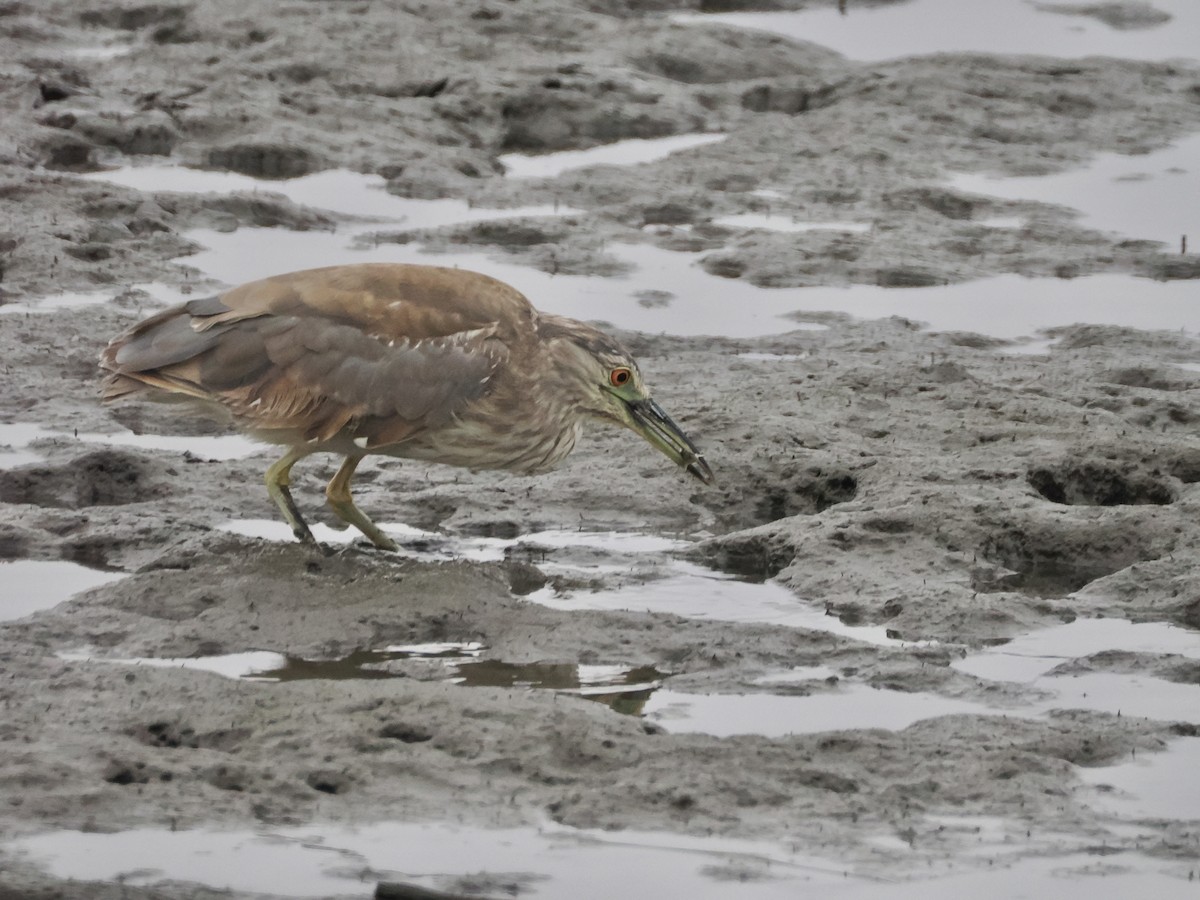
(338,494)
(279,476)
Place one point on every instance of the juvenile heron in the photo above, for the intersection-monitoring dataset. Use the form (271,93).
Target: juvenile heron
(421,362)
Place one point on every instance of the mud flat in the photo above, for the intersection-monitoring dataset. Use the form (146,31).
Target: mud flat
(936,629)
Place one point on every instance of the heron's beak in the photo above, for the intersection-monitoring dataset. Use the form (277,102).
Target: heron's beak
(649,420)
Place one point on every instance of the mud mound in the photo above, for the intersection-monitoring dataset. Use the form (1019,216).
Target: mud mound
(100,478)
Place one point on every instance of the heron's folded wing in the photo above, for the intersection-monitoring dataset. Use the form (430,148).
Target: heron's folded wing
(388,349)
(316,375)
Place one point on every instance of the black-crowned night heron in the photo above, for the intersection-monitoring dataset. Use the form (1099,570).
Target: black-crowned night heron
(421,362)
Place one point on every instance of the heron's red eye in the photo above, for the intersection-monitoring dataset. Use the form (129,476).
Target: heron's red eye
(619,377)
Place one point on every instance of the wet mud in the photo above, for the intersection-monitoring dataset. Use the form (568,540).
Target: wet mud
(895,506)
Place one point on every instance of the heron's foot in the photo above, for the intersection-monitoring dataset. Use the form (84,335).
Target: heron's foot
(352,515)
(380,540)
(342,503)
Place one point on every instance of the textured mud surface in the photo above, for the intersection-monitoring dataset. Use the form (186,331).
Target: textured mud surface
(927,483)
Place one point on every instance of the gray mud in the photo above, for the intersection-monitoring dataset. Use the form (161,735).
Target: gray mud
(957,495)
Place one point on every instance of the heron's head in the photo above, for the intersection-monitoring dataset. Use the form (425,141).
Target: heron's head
(610,386)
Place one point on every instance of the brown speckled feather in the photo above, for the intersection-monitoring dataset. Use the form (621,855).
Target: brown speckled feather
(373,352)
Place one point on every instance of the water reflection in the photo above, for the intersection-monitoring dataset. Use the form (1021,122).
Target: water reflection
(625,690)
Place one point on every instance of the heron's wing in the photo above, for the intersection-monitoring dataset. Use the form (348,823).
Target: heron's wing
(392,301)
(383,351)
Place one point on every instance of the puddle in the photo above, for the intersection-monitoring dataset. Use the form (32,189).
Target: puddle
(356,665)
(1151,786)
(860,706)
(1030,658)
(11,459)
(785,223)
(1027,659)
(1005,306)
(619,153)
(1141,197)
(216,447)
(267,665)
(30,585)
(56,303)
(846,707)
(696,592)
(1031,655)
(335,190)
(326,861)
(623,688)
(432,545)
(922,27)
(163,294)
(555,861)
(230,665)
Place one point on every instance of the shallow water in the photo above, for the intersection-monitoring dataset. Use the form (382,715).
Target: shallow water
(551,861)
(923,27)
(769,222)
(848,706)
(28,585)
(430,545)
(1006,306)
(56,303)
(335,190)
(554,861)
(619,153)
(159,294)
(1029,656)
(12,459)
(623,688)
(19,435)
(1152,785)
(267,665)
(1155,196)
(693,591)
(1027,660)
(854,706)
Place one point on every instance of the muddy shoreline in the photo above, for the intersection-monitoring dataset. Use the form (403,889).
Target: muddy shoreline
(929,484)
